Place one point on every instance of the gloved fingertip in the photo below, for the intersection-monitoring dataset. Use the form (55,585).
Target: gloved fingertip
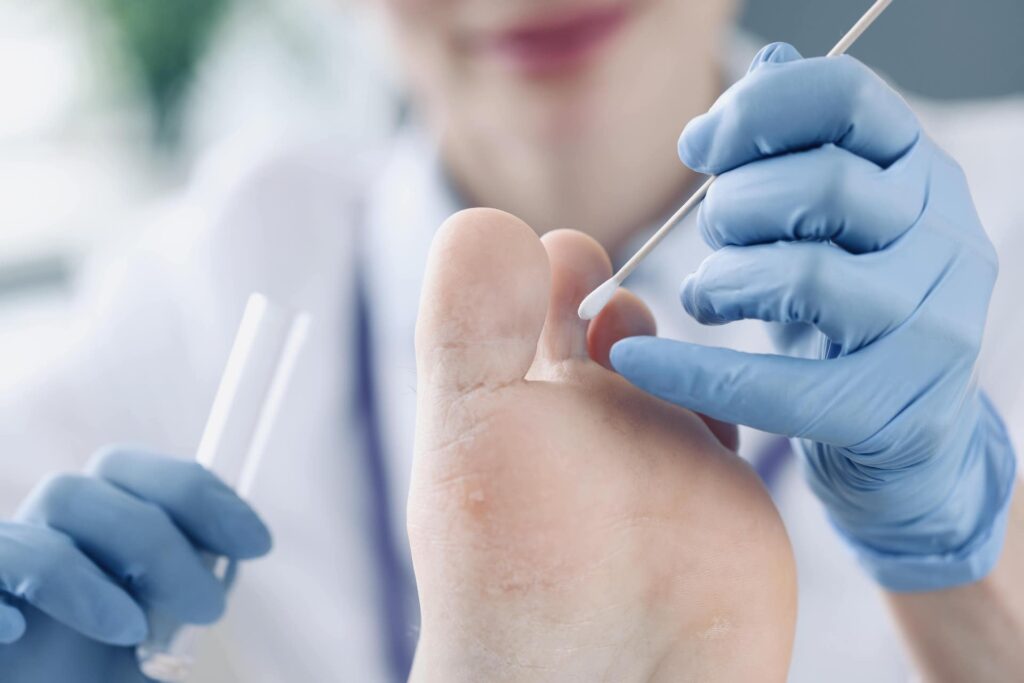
(191,594)
(774,53)
(207,604)
(231,526)
(135,632)
(687,294)
(694,142)
(12,624)
(626,354)
(615,355)
(696,306)
(249,536)
(259,542)
(117,461)
(711,234)
(122,624)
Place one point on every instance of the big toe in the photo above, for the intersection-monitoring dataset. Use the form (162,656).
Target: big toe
(483,303)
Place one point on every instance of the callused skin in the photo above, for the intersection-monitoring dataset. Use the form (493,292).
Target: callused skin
(564,525)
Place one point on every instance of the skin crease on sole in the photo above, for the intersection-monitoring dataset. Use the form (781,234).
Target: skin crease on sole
(564,525)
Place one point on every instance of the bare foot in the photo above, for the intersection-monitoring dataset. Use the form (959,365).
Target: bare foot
(564,525)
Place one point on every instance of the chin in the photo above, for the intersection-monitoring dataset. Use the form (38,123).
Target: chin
(559,110)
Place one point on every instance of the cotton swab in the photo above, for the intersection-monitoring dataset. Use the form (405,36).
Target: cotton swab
(599,298)
(251,392)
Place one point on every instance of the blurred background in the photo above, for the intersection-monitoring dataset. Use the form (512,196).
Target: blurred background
(107,105)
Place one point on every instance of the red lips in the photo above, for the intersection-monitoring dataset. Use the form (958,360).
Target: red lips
(551,45)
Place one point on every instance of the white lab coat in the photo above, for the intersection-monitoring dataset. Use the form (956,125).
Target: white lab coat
(144,369)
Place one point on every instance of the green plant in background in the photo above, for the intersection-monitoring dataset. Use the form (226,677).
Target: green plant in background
(163,42)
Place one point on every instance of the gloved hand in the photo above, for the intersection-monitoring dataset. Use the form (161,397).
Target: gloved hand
(87,555)
(836,215)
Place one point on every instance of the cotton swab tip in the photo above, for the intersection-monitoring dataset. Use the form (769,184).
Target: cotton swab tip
(598,299)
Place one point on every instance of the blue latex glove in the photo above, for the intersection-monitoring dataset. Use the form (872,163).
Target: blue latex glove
(836,215)
(87,556)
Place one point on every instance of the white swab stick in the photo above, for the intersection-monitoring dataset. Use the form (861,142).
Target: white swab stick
(599,298)
(862,25)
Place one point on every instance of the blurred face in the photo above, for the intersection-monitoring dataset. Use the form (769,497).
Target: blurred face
(553,72)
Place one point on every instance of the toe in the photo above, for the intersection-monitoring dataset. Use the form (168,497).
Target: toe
(578,265)
(624,316)
(484,298)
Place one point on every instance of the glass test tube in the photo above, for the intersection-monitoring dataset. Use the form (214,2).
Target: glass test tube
(233,443)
